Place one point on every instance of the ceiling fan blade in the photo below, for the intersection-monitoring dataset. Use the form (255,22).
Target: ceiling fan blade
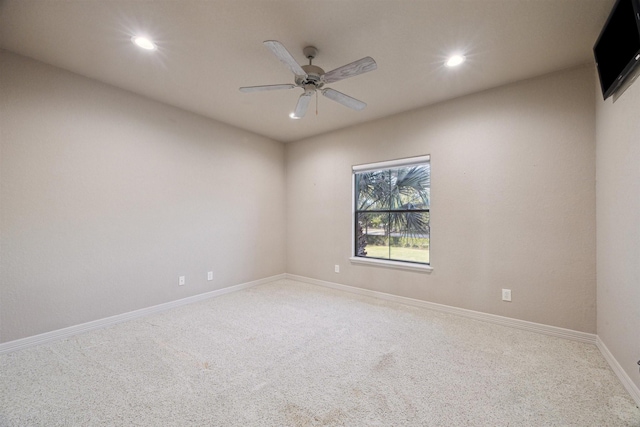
(360,66)
(248,89)
(283,55)
(303,104)
(343,99)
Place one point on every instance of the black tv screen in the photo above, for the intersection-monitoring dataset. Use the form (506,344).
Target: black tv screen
(617,49)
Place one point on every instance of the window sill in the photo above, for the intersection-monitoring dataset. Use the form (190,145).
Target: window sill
(392,264)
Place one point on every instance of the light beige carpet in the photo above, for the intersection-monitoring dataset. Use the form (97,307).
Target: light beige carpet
(292,354)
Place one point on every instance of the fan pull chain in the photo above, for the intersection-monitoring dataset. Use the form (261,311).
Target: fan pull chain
(316,102)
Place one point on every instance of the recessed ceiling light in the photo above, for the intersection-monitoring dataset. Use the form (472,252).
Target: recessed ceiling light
(455,60)
(144,42)
(293,116)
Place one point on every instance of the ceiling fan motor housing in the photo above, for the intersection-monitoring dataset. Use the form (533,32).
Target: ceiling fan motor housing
(314,74)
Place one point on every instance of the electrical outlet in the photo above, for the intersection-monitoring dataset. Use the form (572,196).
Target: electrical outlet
(336,268)
(210,275)
(506,295)
(181,281)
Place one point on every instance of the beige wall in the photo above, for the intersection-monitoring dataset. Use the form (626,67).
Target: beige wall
(107,197)
(513,201)
(618,225)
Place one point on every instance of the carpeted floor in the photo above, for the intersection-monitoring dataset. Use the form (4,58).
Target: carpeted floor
(293,354)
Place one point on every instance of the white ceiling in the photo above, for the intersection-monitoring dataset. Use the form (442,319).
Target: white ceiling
(207,49)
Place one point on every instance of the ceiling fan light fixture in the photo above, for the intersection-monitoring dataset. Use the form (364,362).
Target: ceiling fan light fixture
(144,42)
(455,60)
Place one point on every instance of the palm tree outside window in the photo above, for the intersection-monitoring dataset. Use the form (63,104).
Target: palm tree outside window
(391,212)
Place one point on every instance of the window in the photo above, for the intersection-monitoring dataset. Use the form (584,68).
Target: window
(391,213)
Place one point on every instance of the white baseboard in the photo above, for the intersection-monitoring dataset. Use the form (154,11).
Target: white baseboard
(60,334)
(476,315)
(626,381)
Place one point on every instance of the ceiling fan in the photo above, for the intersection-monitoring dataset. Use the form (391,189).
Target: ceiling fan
(312,78)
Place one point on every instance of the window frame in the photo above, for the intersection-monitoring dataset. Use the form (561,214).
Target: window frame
(377,262)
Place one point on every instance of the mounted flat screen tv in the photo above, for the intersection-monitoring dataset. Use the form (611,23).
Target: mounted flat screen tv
(617,49)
